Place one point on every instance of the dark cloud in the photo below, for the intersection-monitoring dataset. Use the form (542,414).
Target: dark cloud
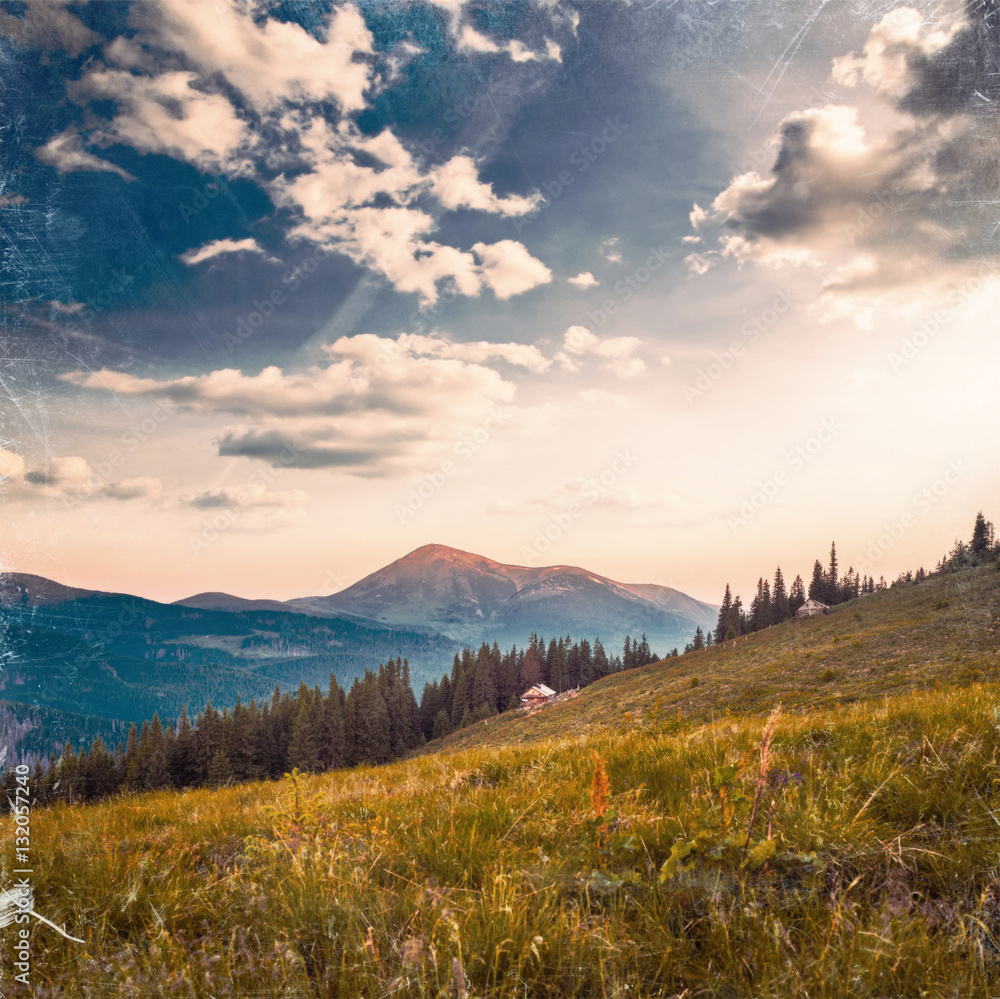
(280,452)
(964,76)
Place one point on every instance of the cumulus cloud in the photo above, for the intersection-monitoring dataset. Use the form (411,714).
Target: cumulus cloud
(457,185)
(509,269)
(379,405)
(218,247)
(617,353)
(12,467)
(69,477)
(884,213)
(167,114)
(336,201)
(229,91)
(584,280)
(268,61)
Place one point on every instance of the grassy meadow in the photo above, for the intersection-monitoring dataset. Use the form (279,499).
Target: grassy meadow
(663,833)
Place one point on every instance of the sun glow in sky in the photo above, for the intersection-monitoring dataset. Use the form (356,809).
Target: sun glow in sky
(677,292)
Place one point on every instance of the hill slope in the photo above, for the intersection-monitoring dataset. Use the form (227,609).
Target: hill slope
(619,853)
(474,599)
(945,630)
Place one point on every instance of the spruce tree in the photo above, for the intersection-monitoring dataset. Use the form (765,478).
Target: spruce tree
(779,598)
(817,586)
(304,746)
(601,665)
(796,596)
(982,535)
(531,669)
(442,725)
(220,772)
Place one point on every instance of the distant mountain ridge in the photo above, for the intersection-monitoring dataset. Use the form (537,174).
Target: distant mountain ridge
(227,602)
(472,598)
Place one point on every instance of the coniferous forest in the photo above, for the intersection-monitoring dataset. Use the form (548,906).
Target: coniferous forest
(377,720)
(773,603)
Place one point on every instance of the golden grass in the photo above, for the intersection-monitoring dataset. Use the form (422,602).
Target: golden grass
(543,867)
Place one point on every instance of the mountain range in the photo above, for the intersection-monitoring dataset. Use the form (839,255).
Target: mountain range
(112,658)
(471,598)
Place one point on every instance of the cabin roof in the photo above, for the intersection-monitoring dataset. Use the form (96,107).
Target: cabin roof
(539,690)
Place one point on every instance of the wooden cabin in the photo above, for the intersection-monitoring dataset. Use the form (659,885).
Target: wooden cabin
(536,696)
(811,608)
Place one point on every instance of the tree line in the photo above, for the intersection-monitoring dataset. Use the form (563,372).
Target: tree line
(774,603)
(376,721)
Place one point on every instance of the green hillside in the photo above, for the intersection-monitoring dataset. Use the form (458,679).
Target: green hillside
(913,636)
(601,847)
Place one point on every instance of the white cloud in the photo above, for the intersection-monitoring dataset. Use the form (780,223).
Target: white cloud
(610,250)
(335,199)
(218,247)
(618,353)
(522,355)
(174,86)
(12,467)
(69,477)
(889,215)
(65,152)
(269,62)
(377,408)
(584,280)
(168,114)
(457,185)
(901,38)
(471,40)
(509,269)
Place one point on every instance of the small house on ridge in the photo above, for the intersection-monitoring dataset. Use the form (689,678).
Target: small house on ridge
(537,695)
(811,608)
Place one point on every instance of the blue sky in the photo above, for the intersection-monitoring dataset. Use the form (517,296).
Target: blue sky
(676,291)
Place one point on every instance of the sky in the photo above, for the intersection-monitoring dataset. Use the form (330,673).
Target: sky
(674,291)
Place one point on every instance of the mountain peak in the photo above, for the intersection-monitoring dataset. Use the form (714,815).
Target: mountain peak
(472,598)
